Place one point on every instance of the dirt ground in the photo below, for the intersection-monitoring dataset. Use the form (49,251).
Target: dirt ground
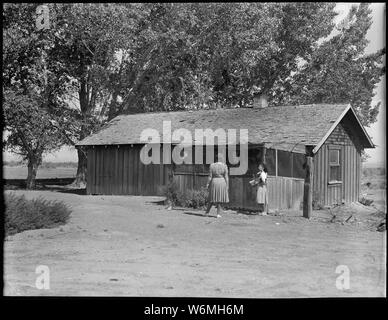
(132,246)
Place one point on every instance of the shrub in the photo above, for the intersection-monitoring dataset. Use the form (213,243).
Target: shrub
(22,214)
(189,198)
(197,199)
(173,194)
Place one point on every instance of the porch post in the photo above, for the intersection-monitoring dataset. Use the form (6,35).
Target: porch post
(308,184)
(276,162)
(263,154)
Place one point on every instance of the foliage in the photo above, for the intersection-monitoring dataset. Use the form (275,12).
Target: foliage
(217,54)
(338,71)
(196,199)
(100,60)
(31,88)
(28,125)
(173,194)
(22,214)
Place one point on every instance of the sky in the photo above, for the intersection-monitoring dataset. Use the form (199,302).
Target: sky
(377,131)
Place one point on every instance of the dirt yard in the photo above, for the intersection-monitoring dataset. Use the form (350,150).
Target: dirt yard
(132,246)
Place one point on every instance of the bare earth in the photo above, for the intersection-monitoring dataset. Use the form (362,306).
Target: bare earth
(131,246)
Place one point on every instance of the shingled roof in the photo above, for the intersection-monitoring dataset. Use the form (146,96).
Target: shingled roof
(282,127)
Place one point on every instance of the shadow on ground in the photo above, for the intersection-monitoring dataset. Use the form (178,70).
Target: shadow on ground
(43,187)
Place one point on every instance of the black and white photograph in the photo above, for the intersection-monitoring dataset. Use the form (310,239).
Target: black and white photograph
(199,150)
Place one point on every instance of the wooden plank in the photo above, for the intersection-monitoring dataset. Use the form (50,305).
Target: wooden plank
(93,171)
(88,170)
(135,170)
(345,176)
(115,171)
(110,168)
(121,169)
(98,170)
(125,170)
(131,177)
(276,162)
(322,175)
(308,194)
(343,166)
(351,174)
(354,174)
(103,170)
(359,175)
(235,192)
(325,175)
(140,175)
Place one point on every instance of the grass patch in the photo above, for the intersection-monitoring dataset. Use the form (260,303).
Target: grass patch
(22,214)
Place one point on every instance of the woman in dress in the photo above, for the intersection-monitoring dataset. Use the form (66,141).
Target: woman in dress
(261,183)
(218,185)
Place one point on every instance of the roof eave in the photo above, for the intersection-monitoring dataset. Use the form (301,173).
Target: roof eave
(335,124)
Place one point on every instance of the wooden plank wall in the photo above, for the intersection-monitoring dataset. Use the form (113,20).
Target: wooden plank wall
(119,171)
(348,191)
(283,193)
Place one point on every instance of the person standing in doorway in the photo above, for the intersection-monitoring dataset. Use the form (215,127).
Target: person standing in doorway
(218,185)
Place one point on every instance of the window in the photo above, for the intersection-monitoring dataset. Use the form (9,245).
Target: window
(284,163)
(298,169)
(334,157)
(335,165)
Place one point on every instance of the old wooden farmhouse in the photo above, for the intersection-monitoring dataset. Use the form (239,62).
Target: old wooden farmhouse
(312,152)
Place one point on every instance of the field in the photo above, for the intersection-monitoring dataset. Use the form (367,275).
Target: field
(20,172)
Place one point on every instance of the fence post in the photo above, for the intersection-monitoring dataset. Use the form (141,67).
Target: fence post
(308,184)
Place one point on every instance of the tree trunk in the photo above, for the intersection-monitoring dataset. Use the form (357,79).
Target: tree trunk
(80,179)
(33,165)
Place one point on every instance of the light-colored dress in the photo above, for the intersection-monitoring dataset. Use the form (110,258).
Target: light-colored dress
(262,194)
(218,183)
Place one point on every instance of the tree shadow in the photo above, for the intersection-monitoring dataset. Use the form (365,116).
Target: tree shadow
(193,213)
(43,187)
(158,202)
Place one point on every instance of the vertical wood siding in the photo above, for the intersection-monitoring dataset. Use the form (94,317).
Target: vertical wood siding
(283,192)
(347,191)
(119,171)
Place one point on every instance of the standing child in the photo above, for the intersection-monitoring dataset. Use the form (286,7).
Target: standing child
(262,195)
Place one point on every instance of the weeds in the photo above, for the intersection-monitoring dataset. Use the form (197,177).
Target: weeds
(22,214)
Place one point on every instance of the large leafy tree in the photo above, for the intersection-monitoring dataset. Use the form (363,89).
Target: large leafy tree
(115,58)
(31,88)
(29,130)
(197,55)
(88,38)
(339,71)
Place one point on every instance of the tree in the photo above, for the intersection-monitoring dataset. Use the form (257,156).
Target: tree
(87,40)
(206,55)
(338,71)
(30,89)
(29,132)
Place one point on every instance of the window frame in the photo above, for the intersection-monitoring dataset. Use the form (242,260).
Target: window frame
(337,164)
